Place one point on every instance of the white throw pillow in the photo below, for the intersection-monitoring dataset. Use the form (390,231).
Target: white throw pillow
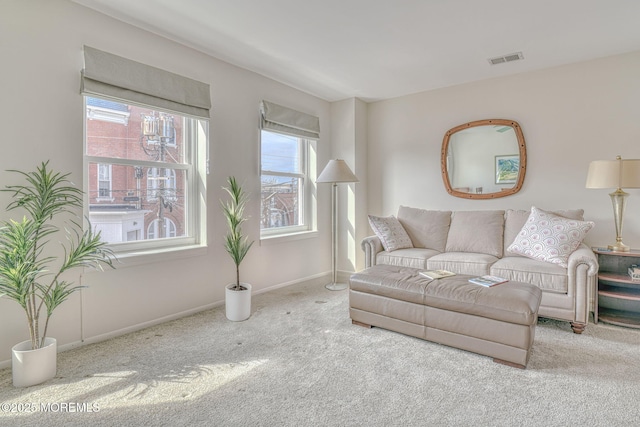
(390,232)
(548,237)
(515,219)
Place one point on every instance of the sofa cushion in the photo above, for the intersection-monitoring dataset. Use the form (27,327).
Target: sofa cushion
(515,219)
(390,232)
(427,229)
(413,258)
(462,263)
(476,231)
(548,237)
(548,277)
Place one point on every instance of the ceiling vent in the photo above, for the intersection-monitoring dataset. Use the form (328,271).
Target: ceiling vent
(506,58)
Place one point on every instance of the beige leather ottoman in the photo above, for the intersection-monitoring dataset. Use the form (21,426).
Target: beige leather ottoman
(498,321)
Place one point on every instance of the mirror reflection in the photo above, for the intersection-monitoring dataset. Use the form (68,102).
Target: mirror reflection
(484,159)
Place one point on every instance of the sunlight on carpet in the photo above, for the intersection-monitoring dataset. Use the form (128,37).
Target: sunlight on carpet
(123,389)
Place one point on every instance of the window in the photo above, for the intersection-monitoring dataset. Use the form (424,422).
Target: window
(284,181)
(146,135)
(287,171)
(154,231)
(104,181)
(138,183)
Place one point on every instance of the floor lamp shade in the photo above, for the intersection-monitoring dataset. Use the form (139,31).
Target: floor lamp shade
(617,174)
(336,171)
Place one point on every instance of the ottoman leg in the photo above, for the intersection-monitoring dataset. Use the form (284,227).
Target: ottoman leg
(513,365)
(364,325)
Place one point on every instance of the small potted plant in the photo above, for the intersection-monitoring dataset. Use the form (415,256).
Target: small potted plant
(238,294)
(29,272)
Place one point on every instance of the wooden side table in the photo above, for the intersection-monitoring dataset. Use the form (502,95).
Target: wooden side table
(618,297)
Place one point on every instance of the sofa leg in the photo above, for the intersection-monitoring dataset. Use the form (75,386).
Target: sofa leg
(578,327)
(513,365)
(364,325)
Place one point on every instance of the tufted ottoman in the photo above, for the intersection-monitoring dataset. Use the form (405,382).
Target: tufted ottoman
(498,321)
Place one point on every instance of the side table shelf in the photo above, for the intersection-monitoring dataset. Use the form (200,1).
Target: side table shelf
(618,297)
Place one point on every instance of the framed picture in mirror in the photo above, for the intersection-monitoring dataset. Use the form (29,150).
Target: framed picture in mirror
(507,168)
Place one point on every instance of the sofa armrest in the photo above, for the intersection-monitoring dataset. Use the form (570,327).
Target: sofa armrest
(583,256)
(371,246)
(582,272)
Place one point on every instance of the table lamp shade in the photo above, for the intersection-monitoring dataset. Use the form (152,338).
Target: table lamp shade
(620,173)
(337,171)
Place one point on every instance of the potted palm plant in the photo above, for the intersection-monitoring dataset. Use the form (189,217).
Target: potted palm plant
(238,294)
(30,272)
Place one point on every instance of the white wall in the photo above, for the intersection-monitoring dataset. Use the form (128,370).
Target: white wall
(42,108)
(570,116)
(349,143)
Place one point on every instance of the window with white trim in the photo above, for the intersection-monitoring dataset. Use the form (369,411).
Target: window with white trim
(146,137)
(284,183)
(138,183)
(287,172)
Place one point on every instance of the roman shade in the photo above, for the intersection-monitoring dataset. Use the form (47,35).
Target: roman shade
(281,119)
(112,76)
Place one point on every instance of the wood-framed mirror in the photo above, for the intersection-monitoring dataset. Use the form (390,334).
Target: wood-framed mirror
(484,159)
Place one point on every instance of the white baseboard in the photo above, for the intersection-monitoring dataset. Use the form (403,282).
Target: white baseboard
(320,278)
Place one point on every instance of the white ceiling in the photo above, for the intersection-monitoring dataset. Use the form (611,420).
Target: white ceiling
(379,49)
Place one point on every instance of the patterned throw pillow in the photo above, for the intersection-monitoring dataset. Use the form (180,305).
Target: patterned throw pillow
(390,232)
(548,237)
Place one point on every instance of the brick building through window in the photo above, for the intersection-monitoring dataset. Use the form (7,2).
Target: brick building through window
(144,201)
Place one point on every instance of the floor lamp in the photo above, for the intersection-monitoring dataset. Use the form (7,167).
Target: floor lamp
(336,171)
(617,174)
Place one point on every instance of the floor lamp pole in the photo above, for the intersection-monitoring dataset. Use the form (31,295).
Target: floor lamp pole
(334,285)
(336,171)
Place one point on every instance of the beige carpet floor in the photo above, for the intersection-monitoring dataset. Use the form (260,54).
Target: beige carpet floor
(298,361)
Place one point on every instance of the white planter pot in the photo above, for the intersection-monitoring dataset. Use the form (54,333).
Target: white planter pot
(31,367)
(238,303)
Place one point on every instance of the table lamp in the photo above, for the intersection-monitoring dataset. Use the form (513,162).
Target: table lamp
(618,174)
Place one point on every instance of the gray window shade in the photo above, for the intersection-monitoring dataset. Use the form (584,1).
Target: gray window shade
(112,76)
(291,122)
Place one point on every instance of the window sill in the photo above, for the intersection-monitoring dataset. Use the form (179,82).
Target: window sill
(282,238)
(155,256)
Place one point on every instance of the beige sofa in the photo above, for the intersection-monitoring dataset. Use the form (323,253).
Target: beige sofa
(476,243)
